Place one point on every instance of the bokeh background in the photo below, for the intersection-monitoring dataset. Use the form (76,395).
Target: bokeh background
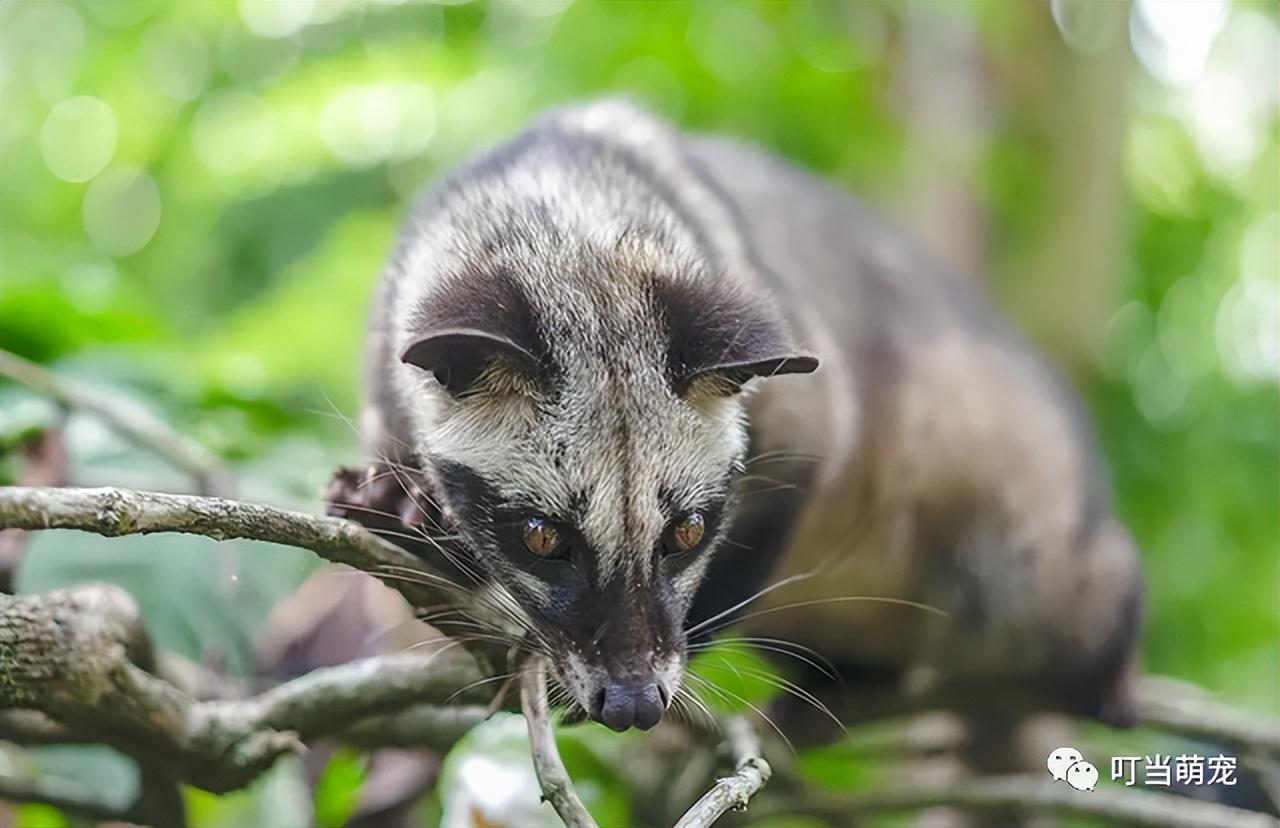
(196,197)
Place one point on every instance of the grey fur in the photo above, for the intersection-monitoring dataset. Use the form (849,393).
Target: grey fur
(931,458)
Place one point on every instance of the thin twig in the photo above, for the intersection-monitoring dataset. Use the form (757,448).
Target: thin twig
(557,787)
(131,421)
(751,772)
(114,512)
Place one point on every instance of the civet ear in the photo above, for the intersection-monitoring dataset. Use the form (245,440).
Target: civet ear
(458,358)
(735,374)
(718,340)
(476,331)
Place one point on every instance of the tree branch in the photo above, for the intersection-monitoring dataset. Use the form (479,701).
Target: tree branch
(114,512)
(76,665)
(31,727)
(1185,709)
(1124,806)
(732,792)
(557,787)
(330,699)
(74,656)
(133,422)
(424,725)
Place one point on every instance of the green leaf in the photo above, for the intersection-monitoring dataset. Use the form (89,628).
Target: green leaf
(39,816)
(337,792)
(732,678)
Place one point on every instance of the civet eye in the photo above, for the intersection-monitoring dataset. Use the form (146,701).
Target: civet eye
(687,532)
(542,538)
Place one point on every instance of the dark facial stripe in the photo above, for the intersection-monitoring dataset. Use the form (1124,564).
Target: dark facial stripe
(614,622)
(493,521)
(492,526)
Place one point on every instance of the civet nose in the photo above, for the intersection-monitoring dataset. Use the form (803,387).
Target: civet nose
(625,704)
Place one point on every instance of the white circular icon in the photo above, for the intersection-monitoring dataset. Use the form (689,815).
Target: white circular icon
(1082,776)
(1060,760)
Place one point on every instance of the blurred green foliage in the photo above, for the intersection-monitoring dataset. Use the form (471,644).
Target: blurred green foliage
(337,792)
(197,197)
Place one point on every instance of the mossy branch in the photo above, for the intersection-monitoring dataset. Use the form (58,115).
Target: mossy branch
(79,657)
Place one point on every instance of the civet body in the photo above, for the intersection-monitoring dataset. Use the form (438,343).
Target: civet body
(643,375)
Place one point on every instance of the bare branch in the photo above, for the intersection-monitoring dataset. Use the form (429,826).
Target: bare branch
(1188,710)
(115,512)
(751,772)
(557,787)
(31,727)
(330,699)
(424,725)
(133,422)
(1124,806)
